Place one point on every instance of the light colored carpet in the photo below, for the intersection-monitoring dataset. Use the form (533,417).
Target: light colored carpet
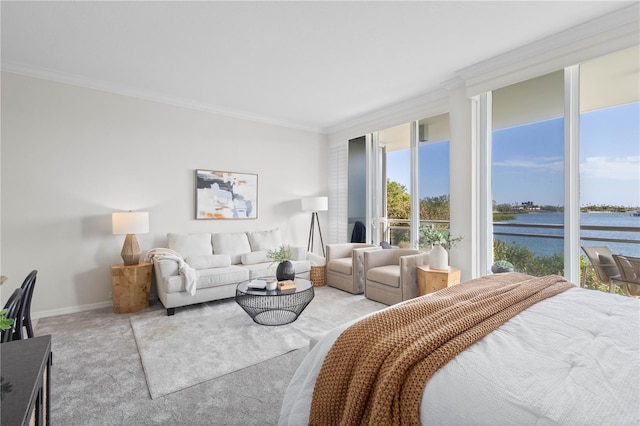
(206,341)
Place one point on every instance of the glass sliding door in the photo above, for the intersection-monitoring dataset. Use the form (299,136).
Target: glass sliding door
(433,174)
(396,142)
(610,157)
(357,189)
(527,174)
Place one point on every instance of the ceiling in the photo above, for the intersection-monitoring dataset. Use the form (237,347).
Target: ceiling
(306,65)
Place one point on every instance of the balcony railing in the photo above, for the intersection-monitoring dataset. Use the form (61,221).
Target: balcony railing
(634,229)
(399,235)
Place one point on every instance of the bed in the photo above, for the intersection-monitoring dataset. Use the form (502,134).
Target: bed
(572,358)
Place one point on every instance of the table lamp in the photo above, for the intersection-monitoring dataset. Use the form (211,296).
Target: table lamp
(315,205)
(130,223)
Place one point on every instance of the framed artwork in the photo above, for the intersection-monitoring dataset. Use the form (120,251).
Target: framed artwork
(226,195)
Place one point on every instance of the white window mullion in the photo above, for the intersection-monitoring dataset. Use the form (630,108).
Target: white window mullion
(415,190)
(485,203)
(374,195)
(572,173)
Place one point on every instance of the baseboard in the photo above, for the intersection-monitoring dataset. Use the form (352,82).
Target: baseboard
(70,310)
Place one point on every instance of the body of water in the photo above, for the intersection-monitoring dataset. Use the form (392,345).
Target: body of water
(548,246)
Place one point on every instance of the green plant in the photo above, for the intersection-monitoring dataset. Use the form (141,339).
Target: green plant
(503,264)
(431,236)
(5,323)
(279,255)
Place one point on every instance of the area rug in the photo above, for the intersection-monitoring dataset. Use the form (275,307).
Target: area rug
(209,340)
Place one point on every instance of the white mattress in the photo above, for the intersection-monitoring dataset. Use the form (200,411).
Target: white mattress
(571,359)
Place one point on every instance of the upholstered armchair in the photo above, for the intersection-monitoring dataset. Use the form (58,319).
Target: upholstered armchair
(391,276)
(345,266)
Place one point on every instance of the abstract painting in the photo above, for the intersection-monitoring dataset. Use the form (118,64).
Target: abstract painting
(226,195)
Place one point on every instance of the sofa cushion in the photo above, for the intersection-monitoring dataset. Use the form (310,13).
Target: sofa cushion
(342,265)
(254,257)
(268,269)
(189,245)
(209,261)
(208,278)
(235,244)
(388,275)
(261,270)
(265,240)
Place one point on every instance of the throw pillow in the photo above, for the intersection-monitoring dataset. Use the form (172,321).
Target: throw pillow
(235,244)
(210,261)
(265,240)
(190,244)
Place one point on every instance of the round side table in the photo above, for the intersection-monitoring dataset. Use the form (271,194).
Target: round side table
(275,307)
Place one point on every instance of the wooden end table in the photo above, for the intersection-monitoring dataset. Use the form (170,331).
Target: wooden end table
(430,280)
(131,285)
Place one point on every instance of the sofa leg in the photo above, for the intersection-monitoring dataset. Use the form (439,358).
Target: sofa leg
(171,311)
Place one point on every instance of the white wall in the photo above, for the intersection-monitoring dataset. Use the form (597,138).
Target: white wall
(71,156)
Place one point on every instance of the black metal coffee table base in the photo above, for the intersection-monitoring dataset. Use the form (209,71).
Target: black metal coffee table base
(275,307)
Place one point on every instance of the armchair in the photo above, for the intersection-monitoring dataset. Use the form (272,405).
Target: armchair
(345,266)
(391,276)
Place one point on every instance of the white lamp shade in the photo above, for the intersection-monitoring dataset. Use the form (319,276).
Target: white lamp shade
(315,204)
(130,222)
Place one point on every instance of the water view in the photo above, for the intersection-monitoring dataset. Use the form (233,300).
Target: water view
(541,246)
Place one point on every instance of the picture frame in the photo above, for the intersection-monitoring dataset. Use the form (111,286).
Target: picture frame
(226,195)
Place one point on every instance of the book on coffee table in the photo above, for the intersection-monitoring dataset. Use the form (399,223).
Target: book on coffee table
(286,285)
(257,284)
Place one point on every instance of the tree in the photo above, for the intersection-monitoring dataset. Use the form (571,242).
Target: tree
(398,201)
(435,208)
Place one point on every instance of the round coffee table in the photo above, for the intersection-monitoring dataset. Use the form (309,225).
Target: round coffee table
(275,307)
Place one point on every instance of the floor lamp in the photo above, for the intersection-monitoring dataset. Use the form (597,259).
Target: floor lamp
(315,205)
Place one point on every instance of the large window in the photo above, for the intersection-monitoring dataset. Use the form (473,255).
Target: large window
(610,156)
(397,143)
(527,174)
(433,172)
(432,184)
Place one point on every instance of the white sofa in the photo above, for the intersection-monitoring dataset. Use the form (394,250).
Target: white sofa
(221,262)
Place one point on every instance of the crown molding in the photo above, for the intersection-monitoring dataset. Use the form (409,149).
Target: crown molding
(77,80)
(453,83)
(607,34)
(431,103)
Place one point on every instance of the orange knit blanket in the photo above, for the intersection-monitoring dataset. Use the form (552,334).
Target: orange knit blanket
(377,369)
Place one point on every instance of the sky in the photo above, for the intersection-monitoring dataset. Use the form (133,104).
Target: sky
(528,161)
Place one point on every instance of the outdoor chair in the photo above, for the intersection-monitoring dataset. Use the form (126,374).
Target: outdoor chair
(629,279)
(603,265)
(13,310)
(391,275)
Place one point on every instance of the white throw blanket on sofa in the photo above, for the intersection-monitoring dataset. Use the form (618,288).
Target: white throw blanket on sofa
(190,275)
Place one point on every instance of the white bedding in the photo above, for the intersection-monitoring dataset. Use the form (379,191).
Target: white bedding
(572,359)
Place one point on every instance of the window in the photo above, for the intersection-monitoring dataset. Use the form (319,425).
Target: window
(433,173)
(610,155)
(527,174)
